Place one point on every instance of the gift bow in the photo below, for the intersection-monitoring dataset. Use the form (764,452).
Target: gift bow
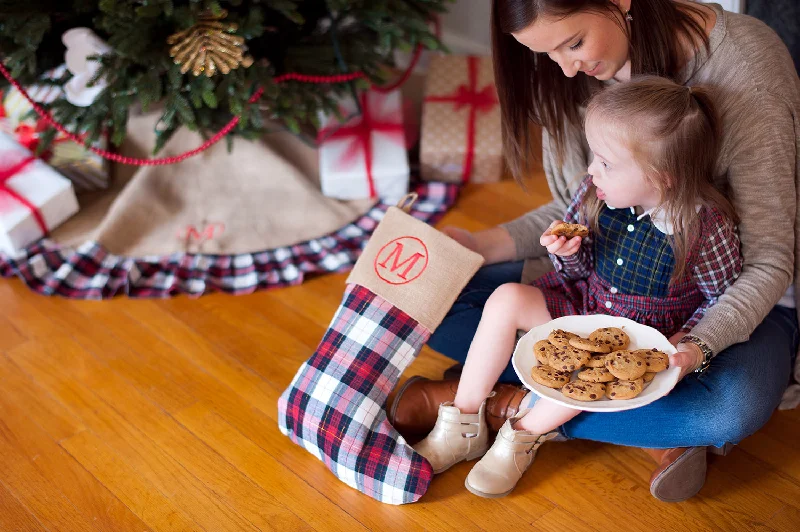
(30,137)
(9,171)
(359,131)
(478,100)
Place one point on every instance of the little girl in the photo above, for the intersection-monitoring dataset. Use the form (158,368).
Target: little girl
(661,250)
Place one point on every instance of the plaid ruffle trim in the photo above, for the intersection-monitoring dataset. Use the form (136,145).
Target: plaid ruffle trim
(91,272)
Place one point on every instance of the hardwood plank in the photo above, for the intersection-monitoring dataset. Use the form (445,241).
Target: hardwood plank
(61,368)
(13,515)
(560,520)
(151,506)
(774,452)
(26,316)
(255,505)
(55,418)
(262,430)
(46,502)
(723,500)
(84,491)
(10,336)
(462,220)
(753,473)
(511,512)
(577,475)
(264,470)
(786,520)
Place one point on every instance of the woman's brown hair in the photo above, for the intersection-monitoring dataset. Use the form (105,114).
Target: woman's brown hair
(532,88)
(673,134)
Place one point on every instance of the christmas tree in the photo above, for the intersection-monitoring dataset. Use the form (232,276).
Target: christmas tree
(201,62)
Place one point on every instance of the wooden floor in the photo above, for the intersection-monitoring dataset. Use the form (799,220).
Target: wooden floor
(161,415)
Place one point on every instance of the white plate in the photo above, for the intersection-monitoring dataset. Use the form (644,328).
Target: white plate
(642,337)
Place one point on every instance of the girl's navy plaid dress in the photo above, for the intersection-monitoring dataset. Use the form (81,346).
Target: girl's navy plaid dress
(625,269)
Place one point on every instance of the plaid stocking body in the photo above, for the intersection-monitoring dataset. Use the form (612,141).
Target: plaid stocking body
(335,406)
(399,291)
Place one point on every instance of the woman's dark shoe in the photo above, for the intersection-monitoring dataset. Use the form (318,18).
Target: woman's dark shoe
(680,474)
(416,405)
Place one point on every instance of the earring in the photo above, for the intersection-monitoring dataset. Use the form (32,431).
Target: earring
(628,16)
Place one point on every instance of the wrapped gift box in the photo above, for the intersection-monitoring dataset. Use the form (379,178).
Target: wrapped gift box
(461,137)
(365,157)
(85,169)
(34,198)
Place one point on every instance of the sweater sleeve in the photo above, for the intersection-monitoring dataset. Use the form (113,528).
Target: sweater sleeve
(563,179)
(761,177)
(717,265)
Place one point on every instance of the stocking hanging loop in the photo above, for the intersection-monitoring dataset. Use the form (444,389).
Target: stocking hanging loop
(407,201)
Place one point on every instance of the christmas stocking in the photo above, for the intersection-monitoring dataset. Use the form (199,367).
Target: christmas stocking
(398,292)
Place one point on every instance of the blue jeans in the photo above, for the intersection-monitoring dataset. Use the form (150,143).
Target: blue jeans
(731,400)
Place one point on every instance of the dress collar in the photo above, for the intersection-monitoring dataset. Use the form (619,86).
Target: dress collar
(659,219)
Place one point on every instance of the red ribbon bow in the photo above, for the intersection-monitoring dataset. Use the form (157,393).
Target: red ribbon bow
(6,173)
(478,100)
(359,131)
(30,136)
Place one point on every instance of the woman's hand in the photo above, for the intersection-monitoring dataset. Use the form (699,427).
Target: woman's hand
(559,245)
(462,236)
(689,356)
(495,244)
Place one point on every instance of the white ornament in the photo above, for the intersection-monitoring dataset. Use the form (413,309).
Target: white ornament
(82,43)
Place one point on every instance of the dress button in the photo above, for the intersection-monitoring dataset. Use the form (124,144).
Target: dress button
(630,228)
(619,262)
(613,290)
(608,304)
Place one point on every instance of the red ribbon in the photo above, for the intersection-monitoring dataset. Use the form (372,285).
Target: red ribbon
(359,131)
(9,172)
(478,100)
(30,135)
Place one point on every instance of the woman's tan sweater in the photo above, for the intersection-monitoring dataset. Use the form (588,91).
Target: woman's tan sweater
(757,94)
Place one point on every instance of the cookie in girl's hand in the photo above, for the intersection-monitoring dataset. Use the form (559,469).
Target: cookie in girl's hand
(569,230)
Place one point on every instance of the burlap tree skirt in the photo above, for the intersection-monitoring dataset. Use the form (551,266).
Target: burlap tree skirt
(235,221)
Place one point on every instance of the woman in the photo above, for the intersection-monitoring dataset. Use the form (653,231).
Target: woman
(549,57)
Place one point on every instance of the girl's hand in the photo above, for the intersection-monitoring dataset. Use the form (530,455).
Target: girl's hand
(559,245)
(689,356)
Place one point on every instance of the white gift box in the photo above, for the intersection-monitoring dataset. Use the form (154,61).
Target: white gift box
(373,139)
(87,170)
(50,193)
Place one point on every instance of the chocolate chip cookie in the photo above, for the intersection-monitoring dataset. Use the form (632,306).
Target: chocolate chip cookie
(589,345)
(654,359)
(542,351)
(626,366)
(547,376)
(614,337)
(569,359)
(584,391)
(624,389)
(596,375)
(568,230)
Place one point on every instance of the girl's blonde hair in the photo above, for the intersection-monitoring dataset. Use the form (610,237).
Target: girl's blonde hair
(673,133)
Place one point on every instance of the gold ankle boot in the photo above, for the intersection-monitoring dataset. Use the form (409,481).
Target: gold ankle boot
(455,437)
(500,469)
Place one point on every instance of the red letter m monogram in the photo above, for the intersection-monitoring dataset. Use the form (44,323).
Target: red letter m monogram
(406,269)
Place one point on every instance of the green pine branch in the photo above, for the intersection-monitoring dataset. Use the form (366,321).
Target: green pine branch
(309,36)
